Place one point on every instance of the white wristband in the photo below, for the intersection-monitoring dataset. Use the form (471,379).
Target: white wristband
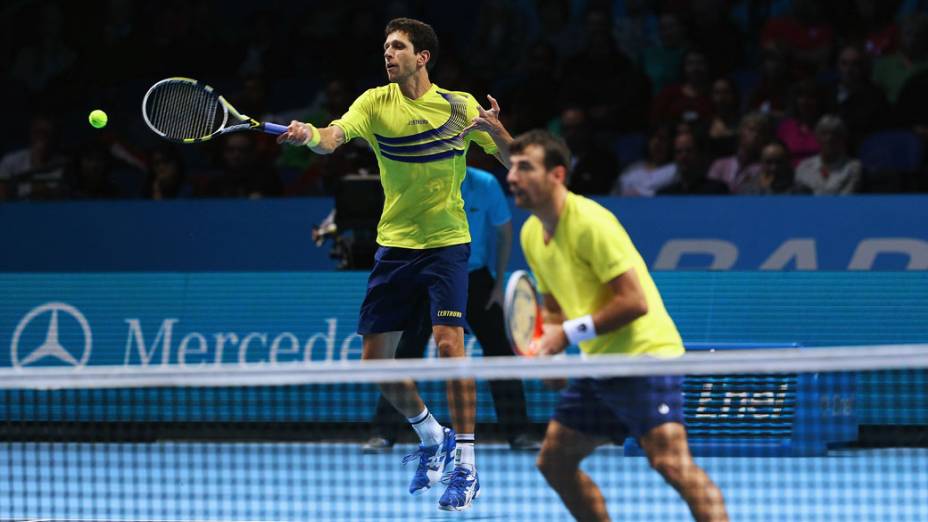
(579,329)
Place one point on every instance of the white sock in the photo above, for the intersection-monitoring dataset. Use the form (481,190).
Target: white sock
(429,430)
(464,452)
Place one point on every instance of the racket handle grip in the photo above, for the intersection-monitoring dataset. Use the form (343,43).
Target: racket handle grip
(273,128)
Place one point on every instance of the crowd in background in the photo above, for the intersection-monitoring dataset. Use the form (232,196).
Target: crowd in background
(653,96)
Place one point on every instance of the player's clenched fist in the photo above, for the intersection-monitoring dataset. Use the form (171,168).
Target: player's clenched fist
(298,133)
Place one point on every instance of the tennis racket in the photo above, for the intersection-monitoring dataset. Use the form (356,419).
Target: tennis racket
(187,111)
(522,310)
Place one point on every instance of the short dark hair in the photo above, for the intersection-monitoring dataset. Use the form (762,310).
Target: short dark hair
(556,153)
(421,35)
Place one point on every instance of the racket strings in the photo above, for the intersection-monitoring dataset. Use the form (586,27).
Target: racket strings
(183,110)
(522,314)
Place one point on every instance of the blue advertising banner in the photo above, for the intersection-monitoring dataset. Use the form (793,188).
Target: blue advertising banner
(200,319)
(672,233)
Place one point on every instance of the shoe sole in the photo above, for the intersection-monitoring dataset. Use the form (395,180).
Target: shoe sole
(465,507)
(448,459)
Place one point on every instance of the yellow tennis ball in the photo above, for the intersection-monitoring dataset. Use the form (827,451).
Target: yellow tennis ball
(97,119)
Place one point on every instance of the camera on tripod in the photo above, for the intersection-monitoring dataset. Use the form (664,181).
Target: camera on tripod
(352,226)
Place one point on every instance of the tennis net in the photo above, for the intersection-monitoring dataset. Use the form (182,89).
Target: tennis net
(787,434)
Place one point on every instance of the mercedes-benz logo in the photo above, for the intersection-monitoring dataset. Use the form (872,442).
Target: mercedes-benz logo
(52,347)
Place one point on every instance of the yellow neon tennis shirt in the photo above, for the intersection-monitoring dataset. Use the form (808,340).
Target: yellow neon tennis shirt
(589,249)
(422,160)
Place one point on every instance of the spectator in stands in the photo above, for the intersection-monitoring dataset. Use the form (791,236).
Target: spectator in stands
(688,101)
(323,175)
(556,28)
(166,174)
(726,115)
(110,53)
(318,175)
(664,62)
(797,130)
(262,53)
(711,30)
(594,168)
(830,172)
(807,33)
(90,174)
(772,93)
(911,110)
(251,97)
(776,173)
(529,88)
(498,41)
(174,28)
(609,84)
(689,158)
(636,27)
(891,72)
(656,171)
(330,102)
(41,157)
(242,173)
(860,104)
(744,167)
(44,62)
(874,24)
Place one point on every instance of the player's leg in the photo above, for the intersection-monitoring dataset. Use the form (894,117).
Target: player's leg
(488,326)
(394,289)
(463,485)
(389,307)
(437,443)
(562,451)
(461,392)
(445,275)
(403,395)
(387,421)
(446,279)
(669,454)
(654,408)
(581,422)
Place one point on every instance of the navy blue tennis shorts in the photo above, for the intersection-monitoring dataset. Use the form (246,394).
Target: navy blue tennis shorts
(620,407)
(402,277)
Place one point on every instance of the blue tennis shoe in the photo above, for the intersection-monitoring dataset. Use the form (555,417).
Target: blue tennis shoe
(463,488)
(432,462)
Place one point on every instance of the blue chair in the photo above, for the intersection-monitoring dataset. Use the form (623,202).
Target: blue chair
(746,80)
(629,148)
(897,149)
(889,159)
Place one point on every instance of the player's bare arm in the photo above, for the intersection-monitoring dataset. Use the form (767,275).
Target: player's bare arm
(488,121)
(299,133)
(627,304)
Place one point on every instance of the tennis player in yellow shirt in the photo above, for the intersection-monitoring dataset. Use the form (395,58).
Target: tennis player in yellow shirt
(420,134)
(598,294)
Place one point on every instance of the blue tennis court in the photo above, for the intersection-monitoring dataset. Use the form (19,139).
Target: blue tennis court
(334,481)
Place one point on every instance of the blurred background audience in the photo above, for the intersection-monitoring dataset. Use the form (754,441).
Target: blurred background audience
(653,96)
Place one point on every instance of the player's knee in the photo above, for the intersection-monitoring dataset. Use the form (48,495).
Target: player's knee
(544,463)
(672,468)
(449,348)
(553,467)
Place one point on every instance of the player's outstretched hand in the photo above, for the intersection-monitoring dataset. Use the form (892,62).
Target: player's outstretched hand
(298,133)
(486,120)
